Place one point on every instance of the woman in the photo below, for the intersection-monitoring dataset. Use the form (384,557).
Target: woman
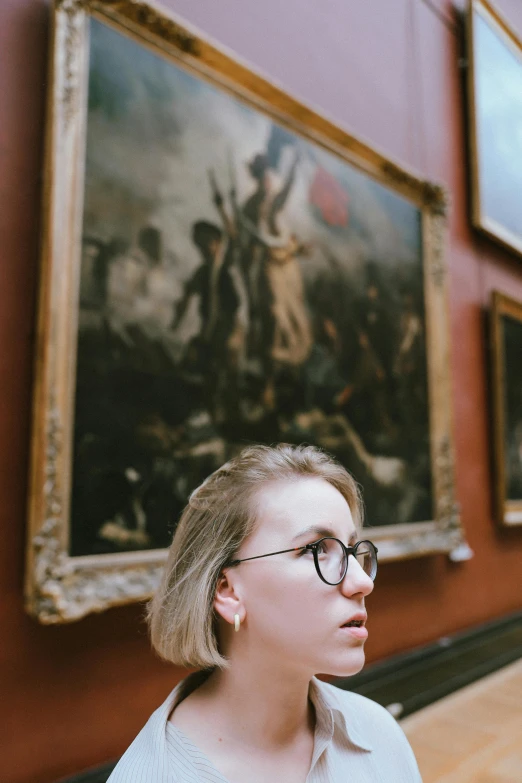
(265,587)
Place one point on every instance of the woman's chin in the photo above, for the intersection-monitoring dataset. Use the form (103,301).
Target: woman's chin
(351,664)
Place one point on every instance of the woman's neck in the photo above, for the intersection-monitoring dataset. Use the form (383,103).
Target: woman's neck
(259,708)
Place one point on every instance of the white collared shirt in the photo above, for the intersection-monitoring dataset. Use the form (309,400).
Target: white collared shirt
(356,741)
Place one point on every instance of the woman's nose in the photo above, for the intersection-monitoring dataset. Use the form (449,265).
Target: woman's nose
(356,580)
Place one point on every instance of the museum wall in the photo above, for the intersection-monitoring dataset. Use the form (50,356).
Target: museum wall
(74,696)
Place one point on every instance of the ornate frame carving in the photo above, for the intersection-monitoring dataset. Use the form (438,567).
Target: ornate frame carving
(60,588)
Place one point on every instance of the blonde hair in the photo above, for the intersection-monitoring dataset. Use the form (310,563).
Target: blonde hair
(219,516)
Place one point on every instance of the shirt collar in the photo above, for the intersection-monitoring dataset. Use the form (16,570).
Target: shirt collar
(330,713)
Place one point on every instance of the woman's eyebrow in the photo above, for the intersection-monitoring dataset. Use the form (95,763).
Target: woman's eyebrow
(321,532)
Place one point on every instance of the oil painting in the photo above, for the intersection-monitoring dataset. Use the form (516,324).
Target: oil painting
(238,285)
(232,268)
(495,112)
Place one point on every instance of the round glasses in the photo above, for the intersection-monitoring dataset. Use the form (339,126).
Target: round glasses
(331,558)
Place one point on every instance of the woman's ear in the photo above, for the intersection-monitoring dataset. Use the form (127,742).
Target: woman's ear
(227,602)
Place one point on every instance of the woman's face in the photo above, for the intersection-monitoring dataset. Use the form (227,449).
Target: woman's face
(290,612)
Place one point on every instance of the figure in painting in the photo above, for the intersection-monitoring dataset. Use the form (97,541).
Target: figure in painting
(280,331)
(217,347)
(277,330)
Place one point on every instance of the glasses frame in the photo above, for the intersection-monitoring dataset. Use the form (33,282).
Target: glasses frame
(348,550)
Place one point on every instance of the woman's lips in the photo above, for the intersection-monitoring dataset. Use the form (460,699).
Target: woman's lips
(358,632)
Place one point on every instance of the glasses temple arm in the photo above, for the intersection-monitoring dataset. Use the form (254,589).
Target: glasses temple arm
(257,557)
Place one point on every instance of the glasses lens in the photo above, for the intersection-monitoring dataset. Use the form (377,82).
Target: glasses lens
(367,558)
(331,558)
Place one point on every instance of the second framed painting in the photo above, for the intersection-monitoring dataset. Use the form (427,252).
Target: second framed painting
(221,265)
(495,124)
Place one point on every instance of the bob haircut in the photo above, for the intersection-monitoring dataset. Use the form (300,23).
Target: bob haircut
(219,516)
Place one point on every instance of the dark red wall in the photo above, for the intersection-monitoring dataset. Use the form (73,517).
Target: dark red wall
(74,696)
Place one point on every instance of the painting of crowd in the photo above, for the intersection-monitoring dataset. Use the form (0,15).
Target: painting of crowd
(249,286)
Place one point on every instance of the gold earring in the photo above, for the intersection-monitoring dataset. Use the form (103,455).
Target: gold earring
(237,622)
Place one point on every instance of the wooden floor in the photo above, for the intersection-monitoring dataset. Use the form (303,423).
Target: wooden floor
(474,735)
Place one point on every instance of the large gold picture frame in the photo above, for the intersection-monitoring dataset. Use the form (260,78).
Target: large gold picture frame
(506,353)
(494,87)
(67,578)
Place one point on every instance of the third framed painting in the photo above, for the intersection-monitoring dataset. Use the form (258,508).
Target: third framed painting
(506,352)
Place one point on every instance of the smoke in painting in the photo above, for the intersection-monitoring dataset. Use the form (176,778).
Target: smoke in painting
(239,284)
